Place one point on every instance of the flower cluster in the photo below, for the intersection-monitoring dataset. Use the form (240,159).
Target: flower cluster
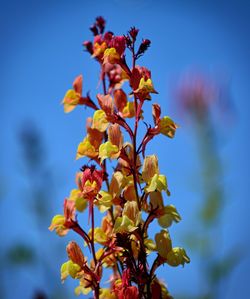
(131,197)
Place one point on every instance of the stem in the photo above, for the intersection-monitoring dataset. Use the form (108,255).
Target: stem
(134,172)
(96,291)
(92,234)
(104,85)
(97,287)
(77,228)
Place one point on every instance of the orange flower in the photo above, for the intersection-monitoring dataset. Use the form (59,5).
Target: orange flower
(90,183)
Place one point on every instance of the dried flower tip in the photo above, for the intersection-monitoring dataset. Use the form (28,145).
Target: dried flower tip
(89,47)
(143,47)
(128,41)
(100,23)
(133,33)
(94,29)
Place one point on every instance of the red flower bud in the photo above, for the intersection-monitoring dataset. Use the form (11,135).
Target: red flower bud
(94,29)
(119,43)
(100,23)
(133,33)
(143,47)
(89,46)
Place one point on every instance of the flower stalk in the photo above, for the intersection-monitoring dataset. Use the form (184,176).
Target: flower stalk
(135,187)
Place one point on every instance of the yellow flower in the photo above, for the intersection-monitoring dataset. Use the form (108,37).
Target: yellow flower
(111,56)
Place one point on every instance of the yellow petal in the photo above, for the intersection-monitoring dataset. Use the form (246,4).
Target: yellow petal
(86,149)
(82,290)
(57,224)
(107,150)
(100,236)
(129,110)
(170,215)
(124,224)
(111,56)
(71,99)
(177,256)
(131,210)
(105,201)
(163,243)
(100,122)
(167,126)
(80,202)
(107,294)
(69,268)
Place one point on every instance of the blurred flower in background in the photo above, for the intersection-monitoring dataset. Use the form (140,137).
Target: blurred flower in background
(36,196)
(198,97)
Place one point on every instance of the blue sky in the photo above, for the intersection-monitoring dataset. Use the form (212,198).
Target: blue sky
(41,54)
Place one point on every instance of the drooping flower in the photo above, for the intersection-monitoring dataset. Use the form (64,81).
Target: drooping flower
(89,147)
(150,174)
(73,97)
(111,149)
(141,83)
(62,223)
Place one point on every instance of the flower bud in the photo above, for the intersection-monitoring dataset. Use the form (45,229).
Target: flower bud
(100,23)
(120,99)
(143,47)
(94,29)
(89,47)
(75,254)
(133,33)
(150,168)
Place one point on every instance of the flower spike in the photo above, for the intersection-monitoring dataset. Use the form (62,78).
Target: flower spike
(119,179)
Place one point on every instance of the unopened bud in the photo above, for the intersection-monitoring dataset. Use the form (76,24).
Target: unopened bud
(133,33)
(128,41)
(89,47)
(94,29)
(100,23)
(75,254)
(143,47)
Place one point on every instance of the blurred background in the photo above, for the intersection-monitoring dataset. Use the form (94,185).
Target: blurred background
(199,58)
